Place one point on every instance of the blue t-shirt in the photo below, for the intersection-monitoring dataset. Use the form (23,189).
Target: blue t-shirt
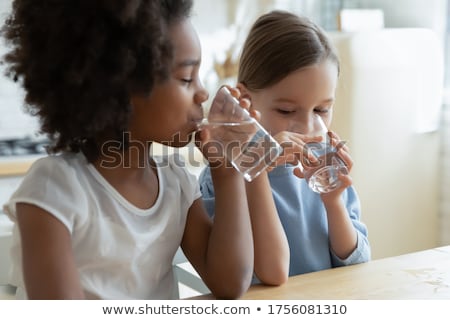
(304,220)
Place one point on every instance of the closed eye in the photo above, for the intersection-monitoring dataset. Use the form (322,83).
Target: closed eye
(322,110)
(285,112)
(186,80)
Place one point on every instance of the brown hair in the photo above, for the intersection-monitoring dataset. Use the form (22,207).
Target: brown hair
(279,43)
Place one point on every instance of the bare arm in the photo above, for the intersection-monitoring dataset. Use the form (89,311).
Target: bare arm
(270,243)
(222,252)
(48,263)
(342,233)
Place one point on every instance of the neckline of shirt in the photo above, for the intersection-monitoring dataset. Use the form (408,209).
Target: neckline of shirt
(121,199)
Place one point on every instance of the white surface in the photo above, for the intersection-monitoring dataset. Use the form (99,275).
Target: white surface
(5,243)
(445,178)
(361,19)
(412,13)
(7,293)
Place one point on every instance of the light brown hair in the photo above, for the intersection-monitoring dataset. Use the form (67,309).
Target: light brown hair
(279,43)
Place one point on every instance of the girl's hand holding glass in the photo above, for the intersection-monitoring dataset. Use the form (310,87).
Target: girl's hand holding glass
(324,176)
(293,144)
(210,132)
(322,158)
(233,133)
(344,177)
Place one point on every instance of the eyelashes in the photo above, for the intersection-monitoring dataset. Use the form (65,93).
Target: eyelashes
(284,112)
(289,112)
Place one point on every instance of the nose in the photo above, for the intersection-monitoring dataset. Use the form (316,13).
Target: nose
(201,95)
(309,124)
(302,123)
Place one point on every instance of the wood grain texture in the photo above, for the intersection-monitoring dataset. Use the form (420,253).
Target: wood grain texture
(419,275)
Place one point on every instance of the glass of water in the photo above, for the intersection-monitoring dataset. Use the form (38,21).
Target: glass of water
(238,137)
(323,176)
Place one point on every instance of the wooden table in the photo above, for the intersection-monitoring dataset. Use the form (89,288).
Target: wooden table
(16,166)
(419,275)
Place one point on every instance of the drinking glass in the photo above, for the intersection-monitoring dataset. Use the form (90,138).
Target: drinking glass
(238,137)
(323,176)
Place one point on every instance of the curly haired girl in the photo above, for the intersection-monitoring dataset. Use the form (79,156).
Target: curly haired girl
(99,217)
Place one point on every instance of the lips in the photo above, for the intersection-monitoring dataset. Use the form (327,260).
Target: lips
(197,118)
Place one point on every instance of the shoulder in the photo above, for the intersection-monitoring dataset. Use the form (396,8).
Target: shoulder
(60,169)
(57,171)
(53,184)
(174,172)
(173,164)
(55,165)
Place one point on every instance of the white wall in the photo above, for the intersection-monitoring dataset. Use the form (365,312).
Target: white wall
(412,13)
(409,13)
(431,14)
(445,178)
(387,77)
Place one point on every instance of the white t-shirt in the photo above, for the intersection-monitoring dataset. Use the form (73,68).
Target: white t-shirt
(121,251)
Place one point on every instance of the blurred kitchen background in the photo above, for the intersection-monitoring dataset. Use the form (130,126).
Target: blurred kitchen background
(393,107)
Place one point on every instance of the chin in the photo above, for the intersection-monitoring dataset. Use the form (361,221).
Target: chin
(180,140)
(179,145)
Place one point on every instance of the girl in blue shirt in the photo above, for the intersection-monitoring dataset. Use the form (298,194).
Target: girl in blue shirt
(289,71)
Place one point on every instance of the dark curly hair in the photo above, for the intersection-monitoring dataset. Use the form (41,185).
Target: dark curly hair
(80,60)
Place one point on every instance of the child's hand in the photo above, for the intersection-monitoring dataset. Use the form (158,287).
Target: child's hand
(243,102)
(294,151)
(346,180)
(209,148)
